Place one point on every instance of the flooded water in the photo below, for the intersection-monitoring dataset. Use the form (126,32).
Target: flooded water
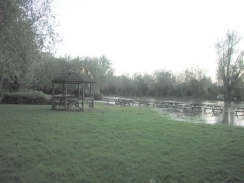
(226,115)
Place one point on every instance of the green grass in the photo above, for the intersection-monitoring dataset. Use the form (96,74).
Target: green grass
(114,144)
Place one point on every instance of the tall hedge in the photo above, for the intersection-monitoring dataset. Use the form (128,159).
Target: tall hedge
(31,97)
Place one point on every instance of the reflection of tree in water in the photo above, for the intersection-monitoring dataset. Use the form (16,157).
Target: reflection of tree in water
(225,116)
(225,113)
(228,117)
(240,117)
(239,120)
(232,115)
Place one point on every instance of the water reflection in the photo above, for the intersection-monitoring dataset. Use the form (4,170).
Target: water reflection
(227,116)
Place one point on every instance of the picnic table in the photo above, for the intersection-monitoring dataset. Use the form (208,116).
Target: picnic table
(180,106)
(239,110)
(161,104)
(170,104)
(71,101)
(143,102)
(122,102)
(213,108)
(195,106)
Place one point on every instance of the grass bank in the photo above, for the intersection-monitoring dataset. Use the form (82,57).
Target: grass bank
(115,144)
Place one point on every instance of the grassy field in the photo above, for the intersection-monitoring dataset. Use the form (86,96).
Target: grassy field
(114,144)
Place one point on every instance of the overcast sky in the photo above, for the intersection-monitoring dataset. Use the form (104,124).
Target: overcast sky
(147,35)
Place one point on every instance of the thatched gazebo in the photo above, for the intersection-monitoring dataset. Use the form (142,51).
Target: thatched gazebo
(83,92)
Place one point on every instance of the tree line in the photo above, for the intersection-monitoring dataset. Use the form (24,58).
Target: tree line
(193,82)
(27,36)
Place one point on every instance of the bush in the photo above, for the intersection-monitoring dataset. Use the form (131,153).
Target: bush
(31,97)
(98,96)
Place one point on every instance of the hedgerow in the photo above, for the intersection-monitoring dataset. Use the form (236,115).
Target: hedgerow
(31,97)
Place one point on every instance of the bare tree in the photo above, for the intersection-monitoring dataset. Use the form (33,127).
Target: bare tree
(230,62)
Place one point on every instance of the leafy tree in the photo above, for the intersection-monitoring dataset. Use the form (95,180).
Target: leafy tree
(112,86)
(164,82)
(104,70)
(26,29)
(149,82)
(50,67)
(193,82)
(47,69)
(141,87)
(99,68)
(230,62)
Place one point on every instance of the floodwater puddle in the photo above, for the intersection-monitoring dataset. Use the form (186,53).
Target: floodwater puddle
(225,116)
(223,113)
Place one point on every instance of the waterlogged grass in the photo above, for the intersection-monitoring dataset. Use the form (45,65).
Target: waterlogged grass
(115,144)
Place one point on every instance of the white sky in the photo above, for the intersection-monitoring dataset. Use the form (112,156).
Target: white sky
(147,35)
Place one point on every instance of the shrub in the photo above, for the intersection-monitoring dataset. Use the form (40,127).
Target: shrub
(98,96)
(31,97)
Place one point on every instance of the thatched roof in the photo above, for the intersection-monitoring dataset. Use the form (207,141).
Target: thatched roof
(73,79)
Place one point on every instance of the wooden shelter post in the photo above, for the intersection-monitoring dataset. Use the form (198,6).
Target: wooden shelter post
(63,89)
(83,96)
(93,90)
(90,92)
(65,96)
(52,90)
(78,90)
(52,94)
